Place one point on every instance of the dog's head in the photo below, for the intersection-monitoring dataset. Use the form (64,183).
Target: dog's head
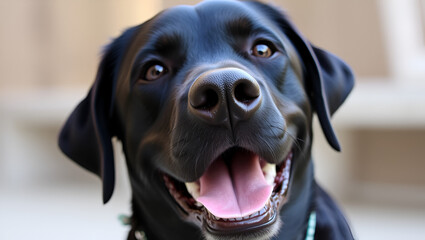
(213,105)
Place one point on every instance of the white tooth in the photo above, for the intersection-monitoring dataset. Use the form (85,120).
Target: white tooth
(193,189)
(239,218)
(269,173)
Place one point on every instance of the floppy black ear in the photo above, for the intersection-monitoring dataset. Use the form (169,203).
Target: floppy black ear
(328,79)
(337,81)
(86,135)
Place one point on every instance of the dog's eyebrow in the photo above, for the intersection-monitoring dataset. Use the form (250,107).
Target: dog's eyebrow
(241,26)
(244,26)
(167,44)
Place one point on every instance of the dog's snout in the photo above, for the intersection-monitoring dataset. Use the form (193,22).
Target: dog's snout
(221,93)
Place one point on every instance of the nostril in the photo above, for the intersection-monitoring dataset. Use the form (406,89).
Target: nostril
(224,96)
(205,100)
(246,92)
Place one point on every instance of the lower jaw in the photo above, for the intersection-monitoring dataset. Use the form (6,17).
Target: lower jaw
(262,220)
(254,223)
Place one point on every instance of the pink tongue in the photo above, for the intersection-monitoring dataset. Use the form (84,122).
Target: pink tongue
(236,190)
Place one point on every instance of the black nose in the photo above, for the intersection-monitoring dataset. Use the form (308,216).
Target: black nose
(221,93)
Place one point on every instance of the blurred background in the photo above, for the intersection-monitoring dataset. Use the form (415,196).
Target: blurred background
(49,51)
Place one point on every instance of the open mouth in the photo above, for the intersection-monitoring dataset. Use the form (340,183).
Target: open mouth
(240,191)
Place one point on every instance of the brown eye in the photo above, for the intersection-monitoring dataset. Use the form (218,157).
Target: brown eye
(154,72)
(262,50)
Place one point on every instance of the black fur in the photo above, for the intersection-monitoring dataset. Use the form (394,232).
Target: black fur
(162,133)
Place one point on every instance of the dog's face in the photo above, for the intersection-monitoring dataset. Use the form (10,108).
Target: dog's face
(213,105)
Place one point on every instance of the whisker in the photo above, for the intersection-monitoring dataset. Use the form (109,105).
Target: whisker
(297,143)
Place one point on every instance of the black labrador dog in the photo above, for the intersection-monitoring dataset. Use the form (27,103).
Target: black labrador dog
(213,104)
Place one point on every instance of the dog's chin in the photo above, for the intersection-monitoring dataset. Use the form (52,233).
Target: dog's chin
(259,222)
(260,233)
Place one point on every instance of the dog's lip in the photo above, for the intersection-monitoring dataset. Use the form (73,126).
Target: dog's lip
(263,218)
(195,212)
